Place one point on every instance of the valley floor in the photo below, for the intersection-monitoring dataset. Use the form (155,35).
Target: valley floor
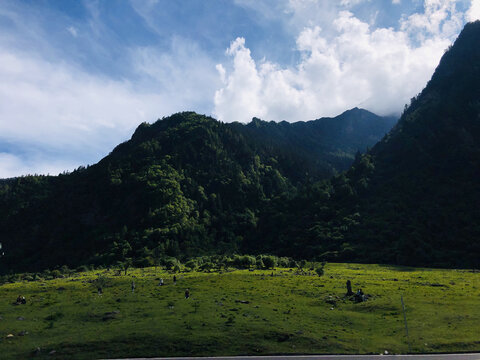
(241,312)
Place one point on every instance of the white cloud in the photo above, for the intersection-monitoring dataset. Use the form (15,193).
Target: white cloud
(396,2)
(12,165)
(440,19)
(72,30)
(351,3)
(184,73)
(55,104)
(378,69)
(474,12)
(64,109)
(233,96)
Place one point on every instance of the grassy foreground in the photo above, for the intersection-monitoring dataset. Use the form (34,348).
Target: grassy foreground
(242,312)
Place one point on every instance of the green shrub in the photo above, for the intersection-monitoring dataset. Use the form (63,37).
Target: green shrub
(243,261)
(170,263)
(269,262)
(82,268)
(191,264)
(283,262)
(57,274)
(293,264)
(207,266)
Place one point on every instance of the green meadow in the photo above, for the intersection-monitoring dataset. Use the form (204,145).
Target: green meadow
(237,312)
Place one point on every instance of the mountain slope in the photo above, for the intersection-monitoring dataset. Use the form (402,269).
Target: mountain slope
(326,145)
(418,197)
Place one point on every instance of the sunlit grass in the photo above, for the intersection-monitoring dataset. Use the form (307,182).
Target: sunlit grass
(242,312)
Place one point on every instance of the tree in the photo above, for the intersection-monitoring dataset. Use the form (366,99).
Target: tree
(124,265)
(120,252)
(320,270)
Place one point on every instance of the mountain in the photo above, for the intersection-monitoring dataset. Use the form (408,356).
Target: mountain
(326,145)
(189,185)
(414,197)
(183,186)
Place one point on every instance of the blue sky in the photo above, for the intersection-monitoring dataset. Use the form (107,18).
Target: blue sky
(77,77)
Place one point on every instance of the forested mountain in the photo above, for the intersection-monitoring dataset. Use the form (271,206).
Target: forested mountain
(183,186)
(326,145)
(414,197)
(189,185)
(421,202)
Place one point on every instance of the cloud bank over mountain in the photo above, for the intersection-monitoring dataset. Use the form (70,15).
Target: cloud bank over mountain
(353,64)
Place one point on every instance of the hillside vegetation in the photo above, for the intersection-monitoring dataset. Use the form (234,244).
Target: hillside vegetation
(183,186)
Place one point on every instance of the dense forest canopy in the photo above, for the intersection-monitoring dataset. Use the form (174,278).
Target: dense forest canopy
(185,185)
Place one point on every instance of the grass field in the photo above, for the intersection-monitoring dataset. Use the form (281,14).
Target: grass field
(242,312)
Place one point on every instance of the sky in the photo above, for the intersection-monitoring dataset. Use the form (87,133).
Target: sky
(77,77)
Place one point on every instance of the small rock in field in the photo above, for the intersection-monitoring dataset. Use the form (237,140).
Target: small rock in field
(23,333)
(20,318)
(53,352)
(9,336)
(242,301)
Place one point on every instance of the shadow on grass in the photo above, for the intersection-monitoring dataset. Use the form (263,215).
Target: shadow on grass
(147,346)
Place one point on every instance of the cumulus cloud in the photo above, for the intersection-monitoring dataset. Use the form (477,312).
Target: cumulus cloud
(474,12)
(376,68)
